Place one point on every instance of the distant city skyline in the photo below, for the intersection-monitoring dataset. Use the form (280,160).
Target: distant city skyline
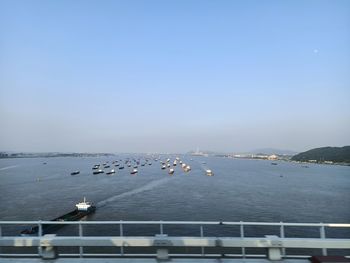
(174,76)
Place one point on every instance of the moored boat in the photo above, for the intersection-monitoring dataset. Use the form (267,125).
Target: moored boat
(95,167)
(171,171)
(209,172)
(98,172)
(187,168)
(75,173)
(111,172)
(134,171)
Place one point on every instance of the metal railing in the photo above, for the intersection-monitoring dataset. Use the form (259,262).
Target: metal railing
(274,245)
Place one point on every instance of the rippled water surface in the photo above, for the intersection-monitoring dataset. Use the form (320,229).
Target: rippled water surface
(241,190)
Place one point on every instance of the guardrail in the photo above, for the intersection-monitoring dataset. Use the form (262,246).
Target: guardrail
(276,246)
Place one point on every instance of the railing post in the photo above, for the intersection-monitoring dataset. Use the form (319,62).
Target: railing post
(81,250)
(0,236)
(121,234)
(40,234)
(241,231)
(323,236)
(282,236)
(161,228)
(202,235)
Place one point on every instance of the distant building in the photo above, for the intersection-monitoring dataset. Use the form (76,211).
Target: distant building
(272,157)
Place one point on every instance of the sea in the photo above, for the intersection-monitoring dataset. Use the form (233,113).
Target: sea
(240,190)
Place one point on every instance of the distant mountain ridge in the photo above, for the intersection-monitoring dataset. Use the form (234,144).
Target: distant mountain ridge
(333,154)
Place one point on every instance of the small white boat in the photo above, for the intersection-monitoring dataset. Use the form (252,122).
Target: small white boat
(163,167)
(187,168)
(134,171)
(209,172)
(171,171)
(168,165)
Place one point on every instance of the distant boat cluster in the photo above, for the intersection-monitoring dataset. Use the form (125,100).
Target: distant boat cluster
(109,168)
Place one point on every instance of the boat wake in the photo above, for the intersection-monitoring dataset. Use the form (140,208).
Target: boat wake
(8,167)
(144,188)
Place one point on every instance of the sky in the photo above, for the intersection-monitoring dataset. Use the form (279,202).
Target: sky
(173,76)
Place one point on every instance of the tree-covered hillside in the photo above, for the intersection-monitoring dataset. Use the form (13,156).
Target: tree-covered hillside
(334,154)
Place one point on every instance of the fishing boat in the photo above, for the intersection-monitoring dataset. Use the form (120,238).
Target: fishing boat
(98,172)
(95,167)
(111,172)
(134,171)
(171,171)
(75,173)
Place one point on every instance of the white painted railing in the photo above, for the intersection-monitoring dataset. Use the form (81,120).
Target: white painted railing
(275,245)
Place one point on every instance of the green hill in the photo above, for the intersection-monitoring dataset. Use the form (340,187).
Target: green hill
(334,154)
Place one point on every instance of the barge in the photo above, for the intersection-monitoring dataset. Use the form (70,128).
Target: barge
(82,209)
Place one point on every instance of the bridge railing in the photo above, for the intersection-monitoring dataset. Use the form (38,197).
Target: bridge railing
(276,245)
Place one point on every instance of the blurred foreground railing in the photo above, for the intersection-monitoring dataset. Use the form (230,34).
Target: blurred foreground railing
(276,245)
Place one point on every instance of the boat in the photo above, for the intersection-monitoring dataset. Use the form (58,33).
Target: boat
(134,171)
(187,168)
(98,172)
(175,163)
(82,209)
(111,172)
(171,171)
(75,173)
(106,166)
(121,167)
(273,163)
(209,172)
(168,165)
(163,167)
(96,166)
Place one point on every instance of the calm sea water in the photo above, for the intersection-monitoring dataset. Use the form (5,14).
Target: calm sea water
(241,190)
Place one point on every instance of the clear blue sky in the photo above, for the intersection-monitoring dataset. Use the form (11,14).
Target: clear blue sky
(170,76)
